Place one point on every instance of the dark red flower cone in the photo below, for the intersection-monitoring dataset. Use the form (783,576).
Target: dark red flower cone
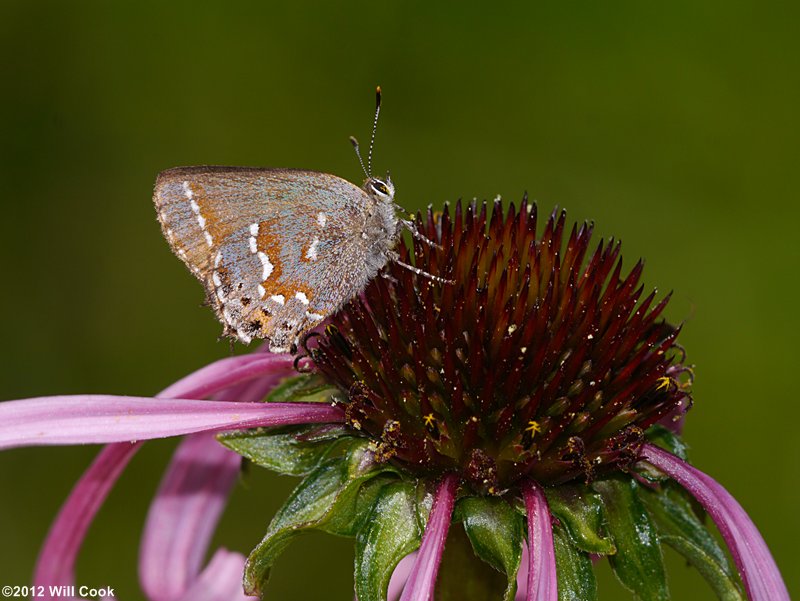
(539,359)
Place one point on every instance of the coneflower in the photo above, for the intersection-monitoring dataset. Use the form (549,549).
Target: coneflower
(510,426)
(530,365)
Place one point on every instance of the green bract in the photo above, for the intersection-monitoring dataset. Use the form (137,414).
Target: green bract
(496,532)
(638,562)
(391,532)
(576,580)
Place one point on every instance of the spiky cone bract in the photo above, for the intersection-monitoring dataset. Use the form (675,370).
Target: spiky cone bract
(518,396)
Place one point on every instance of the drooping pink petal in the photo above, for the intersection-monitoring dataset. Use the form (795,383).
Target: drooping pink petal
(184,514)
(56,562)
(760,575)
(522,576)
(220,581)
(400,576)
(188,504)
(227,372)
(84,419)
(208,380)
(422,579)
(542,577)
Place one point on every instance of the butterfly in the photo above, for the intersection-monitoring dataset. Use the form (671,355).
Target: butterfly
(280,250)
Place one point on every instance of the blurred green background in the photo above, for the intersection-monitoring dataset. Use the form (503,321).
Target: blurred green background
(674,126)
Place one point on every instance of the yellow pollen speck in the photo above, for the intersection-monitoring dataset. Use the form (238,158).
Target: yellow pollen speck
(429,420)
(533,428)
(663,383)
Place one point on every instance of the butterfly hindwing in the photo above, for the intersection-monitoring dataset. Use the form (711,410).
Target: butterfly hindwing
(277,250)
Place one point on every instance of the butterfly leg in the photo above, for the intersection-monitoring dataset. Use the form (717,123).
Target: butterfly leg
(390,277)
(411,227)
(393,256)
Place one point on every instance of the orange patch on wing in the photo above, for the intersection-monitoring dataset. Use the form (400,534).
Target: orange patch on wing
(296,290)
(304,289)
(310,251)
(295,287)
(211,222)
(270,244)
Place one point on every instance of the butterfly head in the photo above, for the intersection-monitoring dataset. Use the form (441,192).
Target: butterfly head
(380,189)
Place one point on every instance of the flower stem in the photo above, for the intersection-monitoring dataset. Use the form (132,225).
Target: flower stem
(464,577)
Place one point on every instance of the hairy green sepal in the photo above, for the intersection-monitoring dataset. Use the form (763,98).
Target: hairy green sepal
(580,510)
(336,497)
(496,532)
(576,581)
(306,388)
(290,450)
(390,532)
(638,562)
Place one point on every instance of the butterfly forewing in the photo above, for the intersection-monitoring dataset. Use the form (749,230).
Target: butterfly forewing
(278,250)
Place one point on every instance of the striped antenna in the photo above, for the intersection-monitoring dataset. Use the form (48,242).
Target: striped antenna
(374,129)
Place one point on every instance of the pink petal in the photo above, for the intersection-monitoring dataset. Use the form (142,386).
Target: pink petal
(210,379)
(56,562)
(189,502)
(103,418)
(542,577)
(184,514)
(225,373)
(522,576)
(422,580)
(760,575)
(220,581)
(400,576)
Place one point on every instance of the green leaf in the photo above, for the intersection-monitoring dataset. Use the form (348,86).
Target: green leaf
(576,581)
(280,450)
(307,388)
(390,533)
(638,563)
(327,499)
(350,519)
(581,511)
(496,532)
(679,527)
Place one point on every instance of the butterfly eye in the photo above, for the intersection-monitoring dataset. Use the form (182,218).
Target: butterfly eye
(380,188)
